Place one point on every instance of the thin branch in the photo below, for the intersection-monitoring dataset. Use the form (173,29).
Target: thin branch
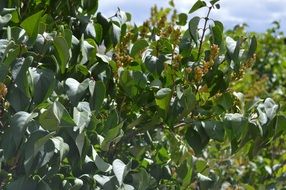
(204,31)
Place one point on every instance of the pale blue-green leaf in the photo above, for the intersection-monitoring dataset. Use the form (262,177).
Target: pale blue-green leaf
(120,170)
(60,146)
(62,52)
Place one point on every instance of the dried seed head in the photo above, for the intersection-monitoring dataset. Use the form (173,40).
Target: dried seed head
(3,90)
(214,51)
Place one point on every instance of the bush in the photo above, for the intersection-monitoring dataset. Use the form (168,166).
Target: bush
(90,102)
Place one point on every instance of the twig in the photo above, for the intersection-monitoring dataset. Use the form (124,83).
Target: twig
(204,31)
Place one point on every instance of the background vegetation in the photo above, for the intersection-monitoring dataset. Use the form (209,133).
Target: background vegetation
(89,102)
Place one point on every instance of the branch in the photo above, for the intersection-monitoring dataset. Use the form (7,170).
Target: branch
(204,31)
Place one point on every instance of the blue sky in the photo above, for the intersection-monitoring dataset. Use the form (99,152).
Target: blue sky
(258,14)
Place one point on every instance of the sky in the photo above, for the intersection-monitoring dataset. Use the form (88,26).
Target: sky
(257,14)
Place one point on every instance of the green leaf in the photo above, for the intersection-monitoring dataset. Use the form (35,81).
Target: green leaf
(197,139)
(126,187)
(138,46)
(43,84)
(142,180)
(183,17)
(82,115)
(24,183)
(200,164)
(112,135)
(62,52)
(4,20)
(39,144)
(154,64)
(8,54)
(100,163)
(132,82)
(98,32)
(31,25)
(280,124)
(56,116)
(164,46)
(68,37)
(120,170)
(217,33)
(214,1)
(199,4)
(252,47)
(108,182)
(115,33)
(79,141)
(193,28)
(18,100)
(185,172)
(163,97)
(230,44)
(97,91)
(11,57)
(43,186)
(269,107)
(188,101)
(214,129)
(76,90)
(60,146)
(90,6)
(20,75)
(225,100)
(4,44)
(19,124)
(90,30)
(78,183)
(203,178)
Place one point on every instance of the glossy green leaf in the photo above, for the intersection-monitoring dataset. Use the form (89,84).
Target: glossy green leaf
(90,6)
(112,135)
(60,146)
(163,97)
(82,115)
(23,182)
(97,91)
(154,65)
(20,74)
(120,170)
(214,1)
(197,139)
(62,52)
(11,56)
(217,33)
(31,25)
(76,90)
(215,130)
(193,28)
(138,46)
(100,163)
(132,82)
(252,47)
(18,100)
(80,139)
(56,116)
(115,34)
(182,19)
(199,4)
(187,101)
(43,84)
(4,20)
(225,101)
(19,123)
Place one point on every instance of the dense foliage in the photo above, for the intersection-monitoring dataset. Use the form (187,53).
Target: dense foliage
(89,102)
